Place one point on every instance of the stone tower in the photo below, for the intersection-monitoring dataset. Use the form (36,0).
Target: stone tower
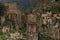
(14,13)
(31,27)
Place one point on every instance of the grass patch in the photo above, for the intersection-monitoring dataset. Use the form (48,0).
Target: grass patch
(44,37)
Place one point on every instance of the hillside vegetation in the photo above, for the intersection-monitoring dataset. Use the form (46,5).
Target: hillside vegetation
(54,6)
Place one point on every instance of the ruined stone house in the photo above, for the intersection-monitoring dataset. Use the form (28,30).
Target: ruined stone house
(19,17)
(33,21)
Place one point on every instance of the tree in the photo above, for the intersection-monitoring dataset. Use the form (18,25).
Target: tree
(2,11)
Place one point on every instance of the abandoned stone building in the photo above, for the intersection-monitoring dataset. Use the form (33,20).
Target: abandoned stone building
(44,23)
(19,17)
